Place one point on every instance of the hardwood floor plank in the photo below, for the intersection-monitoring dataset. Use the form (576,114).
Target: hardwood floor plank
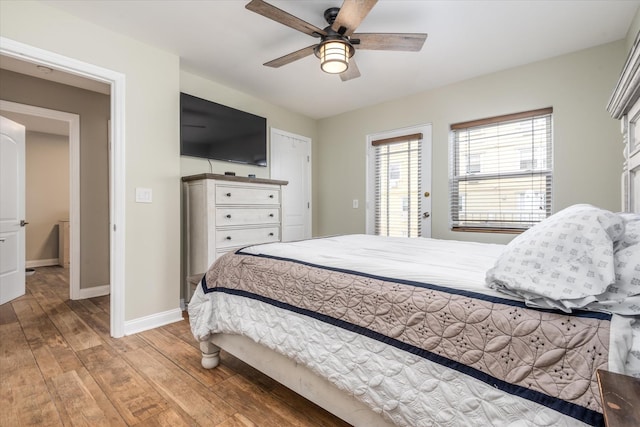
(182,331)
(50,278)
(75,331)
(96,320)
(168,418)
(186,356)
(256,404)
(59,365)
(7,315)
(25,398)
(190,395)
(110,412)
(75,403)
(258,378)
(238,420)
(134,398)
(103,302)
(50,349)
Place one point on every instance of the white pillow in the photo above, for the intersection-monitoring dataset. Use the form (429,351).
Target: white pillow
(623,297)
(563,262)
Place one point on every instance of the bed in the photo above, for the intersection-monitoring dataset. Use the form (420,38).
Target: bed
(426,332)
(409,332)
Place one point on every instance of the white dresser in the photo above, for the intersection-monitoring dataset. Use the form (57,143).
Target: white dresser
(224,213)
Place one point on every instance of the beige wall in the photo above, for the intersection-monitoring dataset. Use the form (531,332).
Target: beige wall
(47,193)
(152,256)
(93,109)
(587,153)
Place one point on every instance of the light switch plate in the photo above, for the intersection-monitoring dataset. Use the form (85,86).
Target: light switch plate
(144,195)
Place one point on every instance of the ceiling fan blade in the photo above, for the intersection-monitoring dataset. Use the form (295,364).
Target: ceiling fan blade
(409,42)
(265,9)
(293,56)
(351,73)
(351,15)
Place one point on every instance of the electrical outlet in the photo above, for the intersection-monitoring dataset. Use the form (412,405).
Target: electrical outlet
(355,203)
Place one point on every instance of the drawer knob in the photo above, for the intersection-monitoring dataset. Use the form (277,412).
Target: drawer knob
(271,215)
(229,216)
(228,237)
(270,234)
(228,194)
(271,196)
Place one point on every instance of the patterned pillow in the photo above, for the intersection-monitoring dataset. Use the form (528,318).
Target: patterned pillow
(623,297)
(562,262)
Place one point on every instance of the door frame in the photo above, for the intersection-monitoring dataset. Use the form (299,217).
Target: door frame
(117,163)
(426,130)
(73,121)
(309,220)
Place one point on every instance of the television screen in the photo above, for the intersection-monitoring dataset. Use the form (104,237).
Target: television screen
(215,131)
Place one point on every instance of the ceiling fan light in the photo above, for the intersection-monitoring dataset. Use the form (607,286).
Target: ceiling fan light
(334,57)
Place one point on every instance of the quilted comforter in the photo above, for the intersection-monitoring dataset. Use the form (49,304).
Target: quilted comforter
(545,357)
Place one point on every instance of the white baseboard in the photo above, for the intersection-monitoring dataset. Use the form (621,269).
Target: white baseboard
(41,263)
(96,291)
(152,321)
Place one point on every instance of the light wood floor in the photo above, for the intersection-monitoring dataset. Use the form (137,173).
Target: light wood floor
(59,366)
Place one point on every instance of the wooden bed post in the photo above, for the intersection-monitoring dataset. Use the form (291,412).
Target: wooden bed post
(210,354)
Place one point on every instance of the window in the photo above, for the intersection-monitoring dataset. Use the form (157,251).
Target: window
(501,172)
(397,164)
(474,164)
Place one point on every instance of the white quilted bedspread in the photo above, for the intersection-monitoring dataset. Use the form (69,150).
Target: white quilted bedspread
(408,390)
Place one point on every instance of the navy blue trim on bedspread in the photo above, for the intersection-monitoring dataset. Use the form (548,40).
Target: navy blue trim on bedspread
(573,410)
(476,295)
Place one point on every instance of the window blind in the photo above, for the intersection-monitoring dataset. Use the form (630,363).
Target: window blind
(397,186)
(501,172)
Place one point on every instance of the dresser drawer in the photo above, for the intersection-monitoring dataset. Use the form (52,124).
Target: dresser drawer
(246,236)
(234,195)
(246,216)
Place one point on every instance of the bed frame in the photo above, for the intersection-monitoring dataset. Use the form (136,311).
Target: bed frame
(624,105)
(292,375)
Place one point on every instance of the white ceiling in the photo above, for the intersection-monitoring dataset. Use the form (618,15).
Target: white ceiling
(38,124)
(224,42)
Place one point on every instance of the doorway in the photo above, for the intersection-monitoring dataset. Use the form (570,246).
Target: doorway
(26,114)
(116,80)
(399,182)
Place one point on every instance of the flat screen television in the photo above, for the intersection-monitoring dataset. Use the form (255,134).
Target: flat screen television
(214,131)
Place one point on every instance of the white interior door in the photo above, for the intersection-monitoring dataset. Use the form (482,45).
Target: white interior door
(291,161)
(12,210)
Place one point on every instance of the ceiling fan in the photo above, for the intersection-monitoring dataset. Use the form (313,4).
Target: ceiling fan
(338,41)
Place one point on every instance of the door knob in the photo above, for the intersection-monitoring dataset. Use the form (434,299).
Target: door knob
(23,223)
(426,215)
